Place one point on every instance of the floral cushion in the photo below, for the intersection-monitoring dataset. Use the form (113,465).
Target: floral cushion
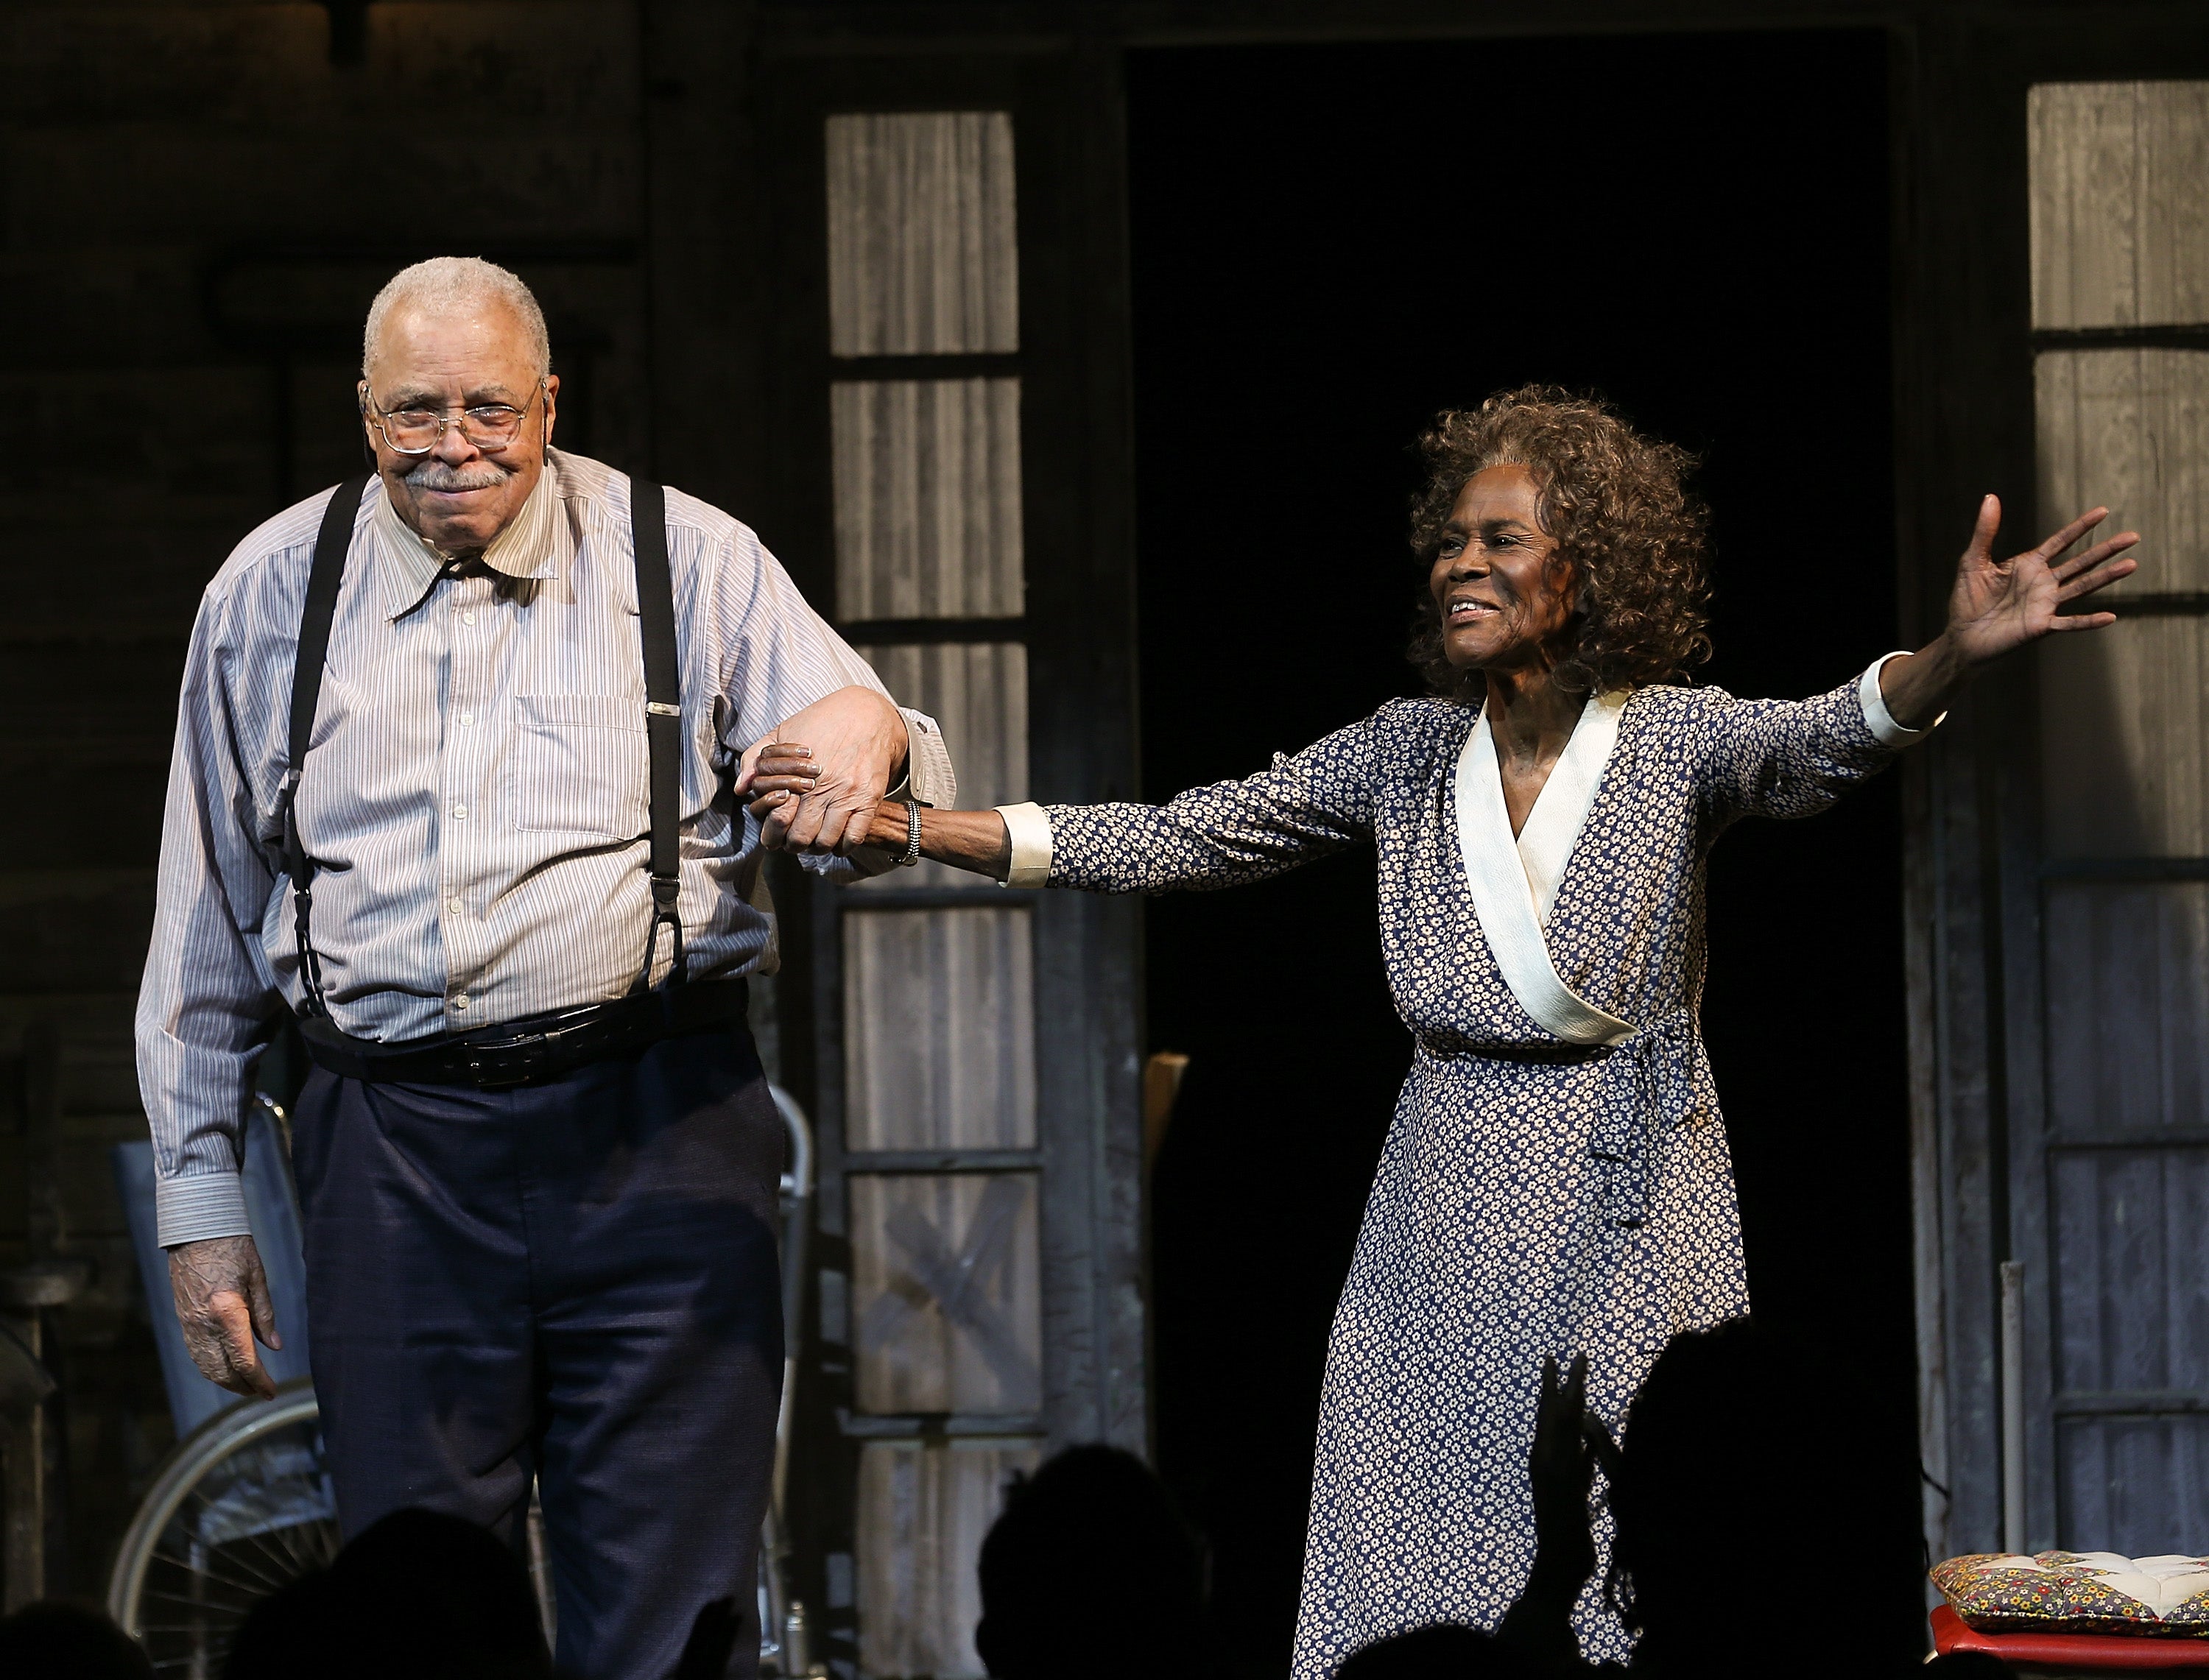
(2079,1592)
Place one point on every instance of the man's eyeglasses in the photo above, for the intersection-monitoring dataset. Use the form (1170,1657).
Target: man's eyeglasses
(490,426)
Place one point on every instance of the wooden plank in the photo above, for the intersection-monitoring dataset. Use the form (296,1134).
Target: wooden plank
(2131,1231)
(923,258)
(2120,223)
(2124,749)
(168,183)
(574,62)
(2128,993)
(924,1510)
(2137,1486)
(2129,430)
(927,498)
(947,1309)
(939,1029)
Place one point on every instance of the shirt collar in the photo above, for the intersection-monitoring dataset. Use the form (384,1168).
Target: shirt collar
(539,544)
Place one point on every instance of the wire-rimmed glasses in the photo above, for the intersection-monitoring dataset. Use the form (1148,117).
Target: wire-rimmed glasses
(490,426)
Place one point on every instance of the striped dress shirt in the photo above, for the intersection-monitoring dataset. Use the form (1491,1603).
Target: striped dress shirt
(474,793)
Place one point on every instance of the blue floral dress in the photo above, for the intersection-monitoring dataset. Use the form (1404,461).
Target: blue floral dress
(1534,1197)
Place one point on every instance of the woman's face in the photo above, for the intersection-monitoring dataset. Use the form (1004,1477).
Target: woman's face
(1504,595)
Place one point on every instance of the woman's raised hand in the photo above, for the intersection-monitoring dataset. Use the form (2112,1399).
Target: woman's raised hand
(2001,605)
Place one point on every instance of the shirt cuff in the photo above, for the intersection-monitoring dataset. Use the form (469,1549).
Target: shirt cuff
(204,1205)
(1878,719)
(929,778)
(1028,826)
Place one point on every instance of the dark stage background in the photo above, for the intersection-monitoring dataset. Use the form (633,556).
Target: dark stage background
(1329,244)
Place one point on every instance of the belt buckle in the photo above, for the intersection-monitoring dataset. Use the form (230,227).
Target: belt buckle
(515,1062)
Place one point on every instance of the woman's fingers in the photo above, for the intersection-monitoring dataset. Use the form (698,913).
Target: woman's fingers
(2050,546)
(2083,621)
(1981,549)
(770,757)
(2086,559)
(2100,577)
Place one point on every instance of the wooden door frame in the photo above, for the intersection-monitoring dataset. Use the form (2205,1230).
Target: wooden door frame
(1963,424)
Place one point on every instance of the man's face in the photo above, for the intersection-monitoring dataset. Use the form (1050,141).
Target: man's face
(458,497)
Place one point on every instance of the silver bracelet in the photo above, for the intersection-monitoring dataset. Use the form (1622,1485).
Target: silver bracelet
(912,834)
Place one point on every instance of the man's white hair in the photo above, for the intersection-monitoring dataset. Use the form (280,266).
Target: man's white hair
(451,283)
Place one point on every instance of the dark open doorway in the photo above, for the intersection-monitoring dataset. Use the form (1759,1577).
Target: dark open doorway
(1329,244)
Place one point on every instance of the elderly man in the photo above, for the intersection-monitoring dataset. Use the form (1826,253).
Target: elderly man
(456,780)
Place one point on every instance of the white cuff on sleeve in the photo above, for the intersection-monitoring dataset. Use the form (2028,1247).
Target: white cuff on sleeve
(1878,719)
(928,774)
(191,1210)
(1029,829)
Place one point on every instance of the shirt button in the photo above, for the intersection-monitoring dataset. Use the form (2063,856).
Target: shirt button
(461,1002)
(459,812)
(453,905)
(468,617)
(466,718)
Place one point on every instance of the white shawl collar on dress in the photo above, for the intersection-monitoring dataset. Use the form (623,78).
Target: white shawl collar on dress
(1515,883)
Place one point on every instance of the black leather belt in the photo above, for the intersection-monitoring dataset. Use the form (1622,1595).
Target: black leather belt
(531,1052)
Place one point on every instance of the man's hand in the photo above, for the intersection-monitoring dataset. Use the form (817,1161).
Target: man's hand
(222,1302)
(858,742)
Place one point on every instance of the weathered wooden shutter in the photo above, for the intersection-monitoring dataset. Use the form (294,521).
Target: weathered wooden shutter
(2113,1204)
(958,470)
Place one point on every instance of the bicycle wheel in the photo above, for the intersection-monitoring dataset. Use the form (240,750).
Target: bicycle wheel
(241,1508)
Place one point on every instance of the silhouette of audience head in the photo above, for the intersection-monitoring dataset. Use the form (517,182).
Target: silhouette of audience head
(1725,1469)
(418,1594)
(52,1640)
(1090,1572)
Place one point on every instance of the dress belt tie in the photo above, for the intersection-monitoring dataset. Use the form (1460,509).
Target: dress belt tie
(1648,1084)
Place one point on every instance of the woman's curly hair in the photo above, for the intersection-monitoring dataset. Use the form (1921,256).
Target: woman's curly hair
(1615,501)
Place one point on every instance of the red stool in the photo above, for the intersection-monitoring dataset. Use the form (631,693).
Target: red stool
(2083,1654)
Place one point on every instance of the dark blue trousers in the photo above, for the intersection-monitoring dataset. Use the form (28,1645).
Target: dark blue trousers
(574,1281)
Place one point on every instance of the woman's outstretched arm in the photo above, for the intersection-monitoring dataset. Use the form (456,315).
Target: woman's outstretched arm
(1792,758)
(1305,806)
(1999,606)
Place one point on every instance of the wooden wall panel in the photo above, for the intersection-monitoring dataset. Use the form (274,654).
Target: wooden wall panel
(2134,1485)
(2129,430)
(2124,745)
(921,254)
(2129,989)
(939,1028)
(927,498)
(924,1509)
(947,1294)
(2131,1249)
(2120,223)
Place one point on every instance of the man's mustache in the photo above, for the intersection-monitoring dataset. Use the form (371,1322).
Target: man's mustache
(436,475)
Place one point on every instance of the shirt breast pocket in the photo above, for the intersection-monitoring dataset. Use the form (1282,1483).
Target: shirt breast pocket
(578,765)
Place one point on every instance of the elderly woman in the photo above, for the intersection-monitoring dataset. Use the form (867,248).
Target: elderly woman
(1556,1180)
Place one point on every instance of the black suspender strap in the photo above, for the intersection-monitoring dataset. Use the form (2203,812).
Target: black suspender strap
(663,720)
(330,546)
